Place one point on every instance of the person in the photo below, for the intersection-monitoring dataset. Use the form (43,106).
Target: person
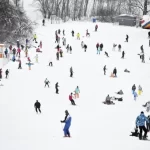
(77,91)
(1,73)
(119,48)
(142,49)
(40,44)
(96,27)
(38,50)
(101,46)
(71,72)
(50,62)
(6,52)
(67,122)
(19,66)
(105,70)
(97,46)
(115,72)
(7,72)
(98,50)
(148,124)
(63,32)
(140,122)
(37,106)
(57,55)
(72,32)
(71,99)
(120,92)
(106,54)
(148,107)
(87,33)
(35,38)
(70,48)
(59,31)
(78,36)
(43,21)
(135,133)
(46,82)
(127,38)
(140,90)
(133,89)
(56,87)
(29,65)
(123,53)
(135,95)
(85,47)
(82,44)
(126,70)
(108,100)
(61,53)
(114,47)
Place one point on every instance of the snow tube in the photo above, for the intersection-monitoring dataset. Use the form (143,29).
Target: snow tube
(145,22)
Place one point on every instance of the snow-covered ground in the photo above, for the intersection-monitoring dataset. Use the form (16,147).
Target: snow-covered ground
(94,125)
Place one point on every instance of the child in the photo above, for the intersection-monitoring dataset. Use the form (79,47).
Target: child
(135,133)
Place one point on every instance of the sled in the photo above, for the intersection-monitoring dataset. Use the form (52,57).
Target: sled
(112,103)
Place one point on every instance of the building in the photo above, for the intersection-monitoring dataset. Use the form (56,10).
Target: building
(126,20)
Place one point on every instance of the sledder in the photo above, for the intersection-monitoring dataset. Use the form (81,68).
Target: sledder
(108,100)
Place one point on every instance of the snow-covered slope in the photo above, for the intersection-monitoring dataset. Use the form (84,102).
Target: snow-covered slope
(94,125)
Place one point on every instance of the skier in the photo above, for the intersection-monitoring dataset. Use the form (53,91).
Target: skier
(67,122)
(71,99)
(19,66)
(46,82)
(96,27)
(140,122)
(71,72)
(106,54)
(78,36)
(119,48)
(82,44)
(85,47)
(56,87)
(127,38)
(43,21)
(123,53)
(1,73)
(105,70)
(140,90)
(77,91)
(37,106)
(7,72)
(115,72)
(72,32)
(133,89)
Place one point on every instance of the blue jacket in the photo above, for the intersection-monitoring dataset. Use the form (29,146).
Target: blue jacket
(68,122)
(141,119)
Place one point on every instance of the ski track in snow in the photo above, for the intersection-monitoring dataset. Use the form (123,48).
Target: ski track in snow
(94,125)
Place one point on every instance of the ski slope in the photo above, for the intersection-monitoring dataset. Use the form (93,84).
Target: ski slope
(94,125)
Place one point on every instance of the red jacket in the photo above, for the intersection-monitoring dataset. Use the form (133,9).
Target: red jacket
(70,97)
(18,50)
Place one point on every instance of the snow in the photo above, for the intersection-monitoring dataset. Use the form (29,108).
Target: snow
(94,125)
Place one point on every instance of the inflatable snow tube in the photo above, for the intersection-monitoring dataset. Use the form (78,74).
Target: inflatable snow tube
(145,22)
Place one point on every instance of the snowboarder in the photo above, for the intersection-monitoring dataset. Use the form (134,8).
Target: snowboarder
(7,72)
(127,38)
(43,21)
(71,99)
(115,72)
(56,87)
(72,32)
(105,70)
(140,122)
(77,91)
(37,106)
(123,53)
(71,72)
(46,82)
(67,122)
(140,90)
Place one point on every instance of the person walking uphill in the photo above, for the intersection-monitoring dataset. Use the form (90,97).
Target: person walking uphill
(37,106)
(140,122)
(67,122)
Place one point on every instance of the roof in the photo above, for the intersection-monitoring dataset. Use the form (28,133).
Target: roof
(126,15)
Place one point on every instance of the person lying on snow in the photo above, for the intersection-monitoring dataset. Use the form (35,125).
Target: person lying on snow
(135,133)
